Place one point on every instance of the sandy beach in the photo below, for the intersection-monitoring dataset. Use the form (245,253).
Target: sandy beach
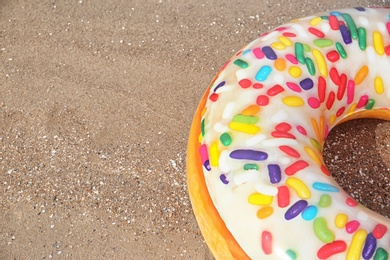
(96,103)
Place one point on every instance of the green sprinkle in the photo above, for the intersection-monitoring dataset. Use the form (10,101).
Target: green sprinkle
(362,38)
(381,254)
(370,104)
(351,25)
(325,201)
(324,17)
(245,119)
(299,52)
(321,230)
(251,166)
(341,50)
(310,66)
(291,254)
(316,144)
(240,63)
(323,43)
(306,47)
(226,139)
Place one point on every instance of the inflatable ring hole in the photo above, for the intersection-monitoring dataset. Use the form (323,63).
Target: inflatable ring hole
(357,153)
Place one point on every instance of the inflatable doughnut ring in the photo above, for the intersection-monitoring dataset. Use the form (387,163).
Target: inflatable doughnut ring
(256,176)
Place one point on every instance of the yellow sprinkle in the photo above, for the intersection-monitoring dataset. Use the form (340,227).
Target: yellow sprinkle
(293,101)
(265,212)
(278,45)
(245,128)
(250,110)
(316,129)
(352,109)
(313,155)
(378,43)
(332,119)
(299,186)
(295,71)
(378,83)
(322,68)
(315,21)
(280,64)
(316,144)
(260,199)
(286,41)
(214,154)
(361,75)
(322,128)
(356,246)
(203,111)
(200,138)
(341,220)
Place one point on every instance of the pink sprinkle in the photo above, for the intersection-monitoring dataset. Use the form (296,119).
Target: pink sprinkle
(388,27)
(291,58)
(362,101)
(266,242)
(350,91)
(352,226)
(280,29)
(258,53)
(293,87)
(314,102)
(351,202)
(301,130)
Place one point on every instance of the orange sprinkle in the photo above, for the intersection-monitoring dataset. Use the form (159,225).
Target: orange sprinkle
(280,64)
(251,110)
(361,75)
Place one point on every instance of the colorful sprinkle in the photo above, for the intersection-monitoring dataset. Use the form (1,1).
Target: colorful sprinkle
(356,245)
(274,173)
(322,231)
(295,209)
(322,186)
(283,196)
(331,249)
(266,242)
(263,73)
(299,186)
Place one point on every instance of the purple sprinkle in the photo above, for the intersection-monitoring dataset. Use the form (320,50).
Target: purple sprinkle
(223,179)
(369,246)
(346,34)
(269,53)
(306,84)
(249,155)
(274,173)
(295,209)
(207,165)
(219,85)
(360,8)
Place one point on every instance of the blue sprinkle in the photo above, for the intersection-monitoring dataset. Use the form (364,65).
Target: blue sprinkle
(346,34)
(222,177)
(360,8)
(369,246)
(249,155)
(245,52)
(321,186)
(306,84)
(207,165)
(309,213)
(335,13)
(263,73)
(269,53)
(274,172)
(219,85)
(295,209)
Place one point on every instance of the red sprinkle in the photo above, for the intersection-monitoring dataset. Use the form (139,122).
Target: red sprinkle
(278,134)
(352,226)
(275,90)
(328,250)
(266,242)
(379,231)
(325,170)
(333,22)
(283,196)
(295,167)
(388,27)
(289,34)
(333,56)
(330,101)
(342,86)
(351,202)
(334,76)
(387,50)
(283,127)
(262,100)
(245,83)
(290,151)
(321,89)
(213,97)
(340,111)
(257,85)
(316,32)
